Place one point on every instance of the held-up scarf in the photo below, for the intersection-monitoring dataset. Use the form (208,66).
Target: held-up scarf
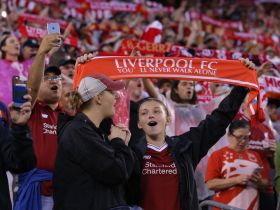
(196,69)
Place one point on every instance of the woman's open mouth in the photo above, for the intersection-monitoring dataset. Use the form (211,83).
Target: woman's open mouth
(152,123)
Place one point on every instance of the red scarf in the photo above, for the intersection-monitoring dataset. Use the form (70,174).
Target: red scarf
(197,69)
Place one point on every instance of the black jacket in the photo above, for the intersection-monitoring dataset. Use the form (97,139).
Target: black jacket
(16,155)
(89,171)
(189,148)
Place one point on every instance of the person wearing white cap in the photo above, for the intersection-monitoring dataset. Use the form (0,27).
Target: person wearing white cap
(92,168)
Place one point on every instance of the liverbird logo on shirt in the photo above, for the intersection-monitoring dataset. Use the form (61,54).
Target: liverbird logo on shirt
(238,167)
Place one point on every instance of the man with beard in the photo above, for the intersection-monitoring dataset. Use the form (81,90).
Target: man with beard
(46,88)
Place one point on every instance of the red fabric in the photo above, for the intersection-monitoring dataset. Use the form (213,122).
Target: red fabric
(153,32)
(195,69)
(179,51)
(160,181)
(43,124)
(257,144)
(207,20)
(33,32)
(226,163)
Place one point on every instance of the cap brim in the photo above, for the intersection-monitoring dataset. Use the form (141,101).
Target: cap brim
(115,85)
(64,63)
(52,69)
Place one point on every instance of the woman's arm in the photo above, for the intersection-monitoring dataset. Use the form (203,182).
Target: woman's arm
(17,149)
(222,184)
(109,164)
(210,130)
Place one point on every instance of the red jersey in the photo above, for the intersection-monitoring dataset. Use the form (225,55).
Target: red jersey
(160,180)
(43,124)
(226,163)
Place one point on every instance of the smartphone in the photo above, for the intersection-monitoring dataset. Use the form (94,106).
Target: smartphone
(53,28)
(258,170)
(19,90)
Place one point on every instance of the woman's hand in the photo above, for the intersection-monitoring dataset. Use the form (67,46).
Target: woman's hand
(118,132)
(128,133)
(20,116)
(256,177)
(246,62)
(242,179)
(84,58)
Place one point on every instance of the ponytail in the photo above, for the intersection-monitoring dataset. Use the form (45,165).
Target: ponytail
(75,100)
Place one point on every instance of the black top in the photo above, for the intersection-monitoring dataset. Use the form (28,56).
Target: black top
(136,133)
(16,155)
(90,170)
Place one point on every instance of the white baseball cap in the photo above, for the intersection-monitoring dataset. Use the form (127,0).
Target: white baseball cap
(91,86)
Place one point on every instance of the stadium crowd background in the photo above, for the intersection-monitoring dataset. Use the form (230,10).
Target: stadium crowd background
(213,29)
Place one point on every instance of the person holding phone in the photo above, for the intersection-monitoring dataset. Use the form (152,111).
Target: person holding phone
(236,173)
(16,148)
(45,85)
(10,65)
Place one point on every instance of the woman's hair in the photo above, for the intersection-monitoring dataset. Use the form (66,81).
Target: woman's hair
(175,96)
(237,124)
(148,100)
(3,40)
(77,102)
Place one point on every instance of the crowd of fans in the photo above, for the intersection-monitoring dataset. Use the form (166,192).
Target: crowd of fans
(212,29)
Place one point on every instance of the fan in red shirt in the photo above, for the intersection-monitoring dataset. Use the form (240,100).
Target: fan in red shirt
(263,142)
(235,173)
(158,174)
(45,85)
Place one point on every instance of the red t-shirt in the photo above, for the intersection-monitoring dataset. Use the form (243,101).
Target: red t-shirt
(226,163)
(258,143)
(160,180)
(43,124)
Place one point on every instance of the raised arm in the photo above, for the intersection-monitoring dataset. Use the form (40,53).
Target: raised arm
(37,68)
(150,88)
(210,130)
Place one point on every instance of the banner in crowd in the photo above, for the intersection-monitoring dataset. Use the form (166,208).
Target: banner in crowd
(148,48)
(242,36)
(32,32)
(118,6)
(113,27)
(271,85)
(40,20)
(236,25)
(197,69)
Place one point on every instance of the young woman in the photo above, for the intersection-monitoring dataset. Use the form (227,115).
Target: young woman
(164,177)
(91,168)
(236,173)
(10,65)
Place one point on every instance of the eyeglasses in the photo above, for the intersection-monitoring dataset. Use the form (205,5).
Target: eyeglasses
(240,138)
(52,78)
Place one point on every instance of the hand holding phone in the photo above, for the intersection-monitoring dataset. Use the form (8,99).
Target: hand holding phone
(258,170)
(19,90)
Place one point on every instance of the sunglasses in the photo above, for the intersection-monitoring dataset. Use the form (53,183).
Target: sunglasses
(52,78)
(240,138)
